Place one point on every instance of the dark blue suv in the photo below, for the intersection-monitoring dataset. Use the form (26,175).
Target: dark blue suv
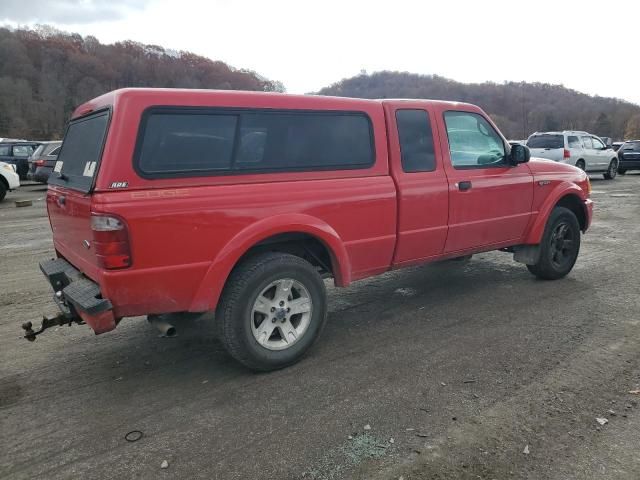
(629,156)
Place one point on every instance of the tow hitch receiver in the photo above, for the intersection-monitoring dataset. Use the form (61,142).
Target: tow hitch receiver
(48,322)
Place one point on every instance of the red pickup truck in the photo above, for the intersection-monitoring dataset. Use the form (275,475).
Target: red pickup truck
(190,200)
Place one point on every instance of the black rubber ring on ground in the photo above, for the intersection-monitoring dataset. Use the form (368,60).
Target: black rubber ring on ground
(133,436)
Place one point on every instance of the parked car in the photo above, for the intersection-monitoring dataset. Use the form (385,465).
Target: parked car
(43,160)
(18,153)
(9,179)
(581,149)
(616,146)
(242,202)
(629,156)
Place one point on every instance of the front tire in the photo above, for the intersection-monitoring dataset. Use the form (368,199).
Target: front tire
(272,310)
(612,171)
(559,247)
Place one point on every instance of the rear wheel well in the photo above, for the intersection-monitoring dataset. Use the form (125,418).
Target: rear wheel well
(299,244)
(573,203)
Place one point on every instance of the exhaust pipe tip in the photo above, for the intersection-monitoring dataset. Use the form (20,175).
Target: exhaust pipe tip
(169,331)
(166,329)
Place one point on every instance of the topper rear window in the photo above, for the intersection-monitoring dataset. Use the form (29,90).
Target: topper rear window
(79,157)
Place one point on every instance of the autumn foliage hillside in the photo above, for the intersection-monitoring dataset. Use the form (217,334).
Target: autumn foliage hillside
(45,74)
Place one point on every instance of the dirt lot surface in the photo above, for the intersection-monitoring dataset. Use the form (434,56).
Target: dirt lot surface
(447,371)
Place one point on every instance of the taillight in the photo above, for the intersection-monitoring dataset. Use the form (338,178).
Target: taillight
(110,242)
(566,154)
(39,163)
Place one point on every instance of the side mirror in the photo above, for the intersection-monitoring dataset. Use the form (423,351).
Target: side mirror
(519,154)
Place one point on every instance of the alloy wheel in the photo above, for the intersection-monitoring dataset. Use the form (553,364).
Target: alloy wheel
(281,314)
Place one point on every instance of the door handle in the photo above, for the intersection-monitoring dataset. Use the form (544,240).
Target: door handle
(464,185)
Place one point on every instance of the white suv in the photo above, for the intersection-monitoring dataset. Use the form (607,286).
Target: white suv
(581,149)
(9,179)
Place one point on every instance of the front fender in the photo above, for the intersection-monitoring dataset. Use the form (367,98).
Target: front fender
(213,282)
(535,232)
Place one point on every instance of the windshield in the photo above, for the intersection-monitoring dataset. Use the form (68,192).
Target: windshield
(80,152)
(631,147)
(546,141)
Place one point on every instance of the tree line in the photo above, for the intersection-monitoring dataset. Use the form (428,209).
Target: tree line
(518,108)
(46,73)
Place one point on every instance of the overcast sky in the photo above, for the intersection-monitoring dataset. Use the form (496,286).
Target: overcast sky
(589,46)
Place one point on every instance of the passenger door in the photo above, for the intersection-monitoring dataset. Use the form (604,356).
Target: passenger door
(489,200)
(576,149)
(600,154)
(590,155)
(417,168)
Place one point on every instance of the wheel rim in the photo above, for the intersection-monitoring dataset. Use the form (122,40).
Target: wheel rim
(281,314)
(613,169)
(563,243)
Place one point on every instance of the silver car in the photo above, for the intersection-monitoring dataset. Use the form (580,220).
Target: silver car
(585,151)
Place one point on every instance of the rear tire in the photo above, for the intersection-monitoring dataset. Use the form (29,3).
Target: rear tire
(3,191)
(612,171)
(581,165)
(559,247)
(255,317)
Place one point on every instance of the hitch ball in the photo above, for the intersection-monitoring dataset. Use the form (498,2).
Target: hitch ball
(29,334)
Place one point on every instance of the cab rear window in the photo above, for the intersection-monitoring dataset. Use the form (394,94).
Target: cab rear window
(77,162)
(191,142)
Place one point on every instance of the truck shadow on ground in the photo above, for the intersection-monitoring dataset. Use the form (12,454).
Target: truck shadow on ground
(441,295)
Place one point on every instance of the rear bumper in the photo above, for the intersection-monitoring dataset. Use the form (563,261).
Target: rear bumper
(12,179)
(41,174)
(77,296)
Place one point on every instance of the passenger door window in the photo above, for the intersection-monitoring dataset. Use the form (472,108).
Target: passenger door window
(574,142)
(22,150)
(473,142)
(416,141)
(586,141)
(4,150)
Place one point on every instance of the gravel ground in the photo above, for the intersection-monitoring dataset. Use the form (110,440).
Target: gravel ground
(447,371)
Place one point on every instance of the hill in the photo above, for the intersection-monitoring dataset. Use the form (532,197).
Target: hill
(46,73)
(517,108)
